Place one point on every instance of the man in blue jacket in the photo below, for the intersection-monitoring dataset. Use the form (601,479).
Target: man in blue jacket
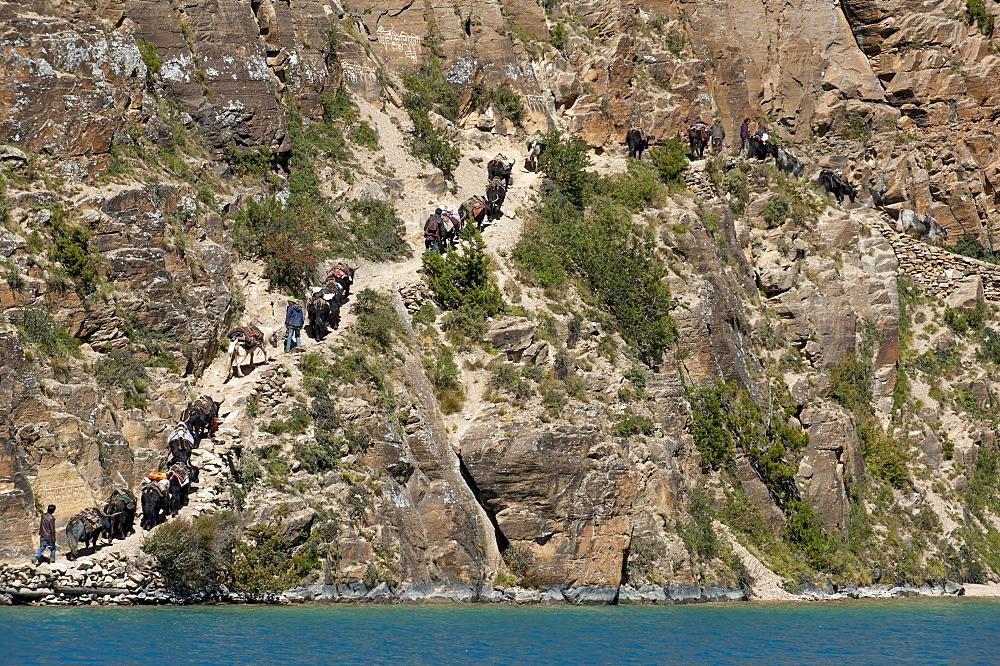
(293,324)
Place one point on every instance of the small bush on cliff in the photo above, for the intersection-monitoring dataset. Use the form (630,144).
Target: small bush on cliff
(699,534)
(377,231)
(71,249)
(502,98)
(507,377)
(363,135)
(971,246)
(446,379)
(461,280)
(378,323)
(775,211)
(975,12)
(261,562)
(150,55)
(120,370)
(851,381)
(727,420)
(286,244)
(631,423)
(429,91)
(670,159)
(519,560)
(805,530)
(564,162)
(39,331)
(960,321)
(636,189)
(194,553)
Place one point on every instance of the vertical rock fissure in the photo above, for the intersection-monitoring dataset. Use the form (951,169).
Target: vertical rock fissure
(624,577)
(502,543)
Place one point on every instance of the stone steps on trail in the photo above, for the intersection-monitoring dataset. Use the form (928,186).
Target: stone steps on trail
(698,181)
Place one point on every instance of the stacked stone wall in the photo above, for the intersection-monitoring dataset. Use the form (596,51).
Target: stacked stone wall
(935,269)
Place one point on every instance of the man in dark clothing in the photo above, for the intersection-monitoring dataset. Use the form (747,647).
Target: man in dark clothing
(432,231)
(744,136)
(718,133)
(293,324)
(47,535)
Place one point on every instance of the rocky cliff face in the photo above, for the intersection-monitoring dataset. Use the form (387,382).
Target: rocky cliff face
(137,131)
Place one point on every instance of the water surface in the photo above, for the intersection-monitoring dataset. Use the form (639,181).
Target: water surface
(864,632)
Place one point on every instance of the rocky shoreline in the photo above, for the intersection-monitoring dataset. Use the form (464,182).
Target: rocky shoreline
(124,582)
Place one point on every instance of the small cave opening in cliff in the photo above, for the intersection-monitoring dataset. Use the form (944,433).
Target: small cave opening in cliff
(502,542)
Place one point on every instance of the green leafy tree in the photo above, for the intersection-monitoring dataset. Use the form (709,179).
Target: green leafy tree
(461,279)
(565,161)
(670,159)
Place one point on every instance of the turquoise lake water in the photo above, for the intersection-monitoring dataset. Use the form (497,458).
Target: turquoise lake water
(863,632)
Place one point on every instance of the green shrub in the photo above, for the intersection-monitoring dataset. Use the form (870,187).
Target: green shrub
(249,161)
(426,314)
(444,375)
(150,55)
(295,424)
(284,241)
(194,553)
(805,530)
(960,321)
(775,211)
(670,160)
(674,41)
(543,265)
(339,106)
(429,91)
(557,36)
(38,330)
(564,162)
(317,457)
(378,323)
(940,362)
(727,420)
(851,382)
(975,12)
(377,231)
(363,135)
(971,246)
(735,183)
(989,347)
(461,279)
(630,423)
(120,370)
(642,554)
(699,534)
(636,189)
(426,143)
(502,98)
(71,248)
(519,559)
(262,563)
(464,326)
(612,256)
(506,377)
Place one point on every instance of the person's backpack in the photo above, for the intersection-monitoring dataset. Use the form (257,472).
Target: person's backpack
(432,225)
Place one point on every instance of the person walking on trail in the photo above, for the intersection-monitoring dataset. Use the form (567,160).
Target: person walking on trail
(46,535)
(293,324)
(718,134)
(744,137)
(432,231)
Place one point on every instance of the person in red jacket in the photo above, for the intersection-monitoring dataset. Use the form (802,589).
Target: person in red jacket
(47,535)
